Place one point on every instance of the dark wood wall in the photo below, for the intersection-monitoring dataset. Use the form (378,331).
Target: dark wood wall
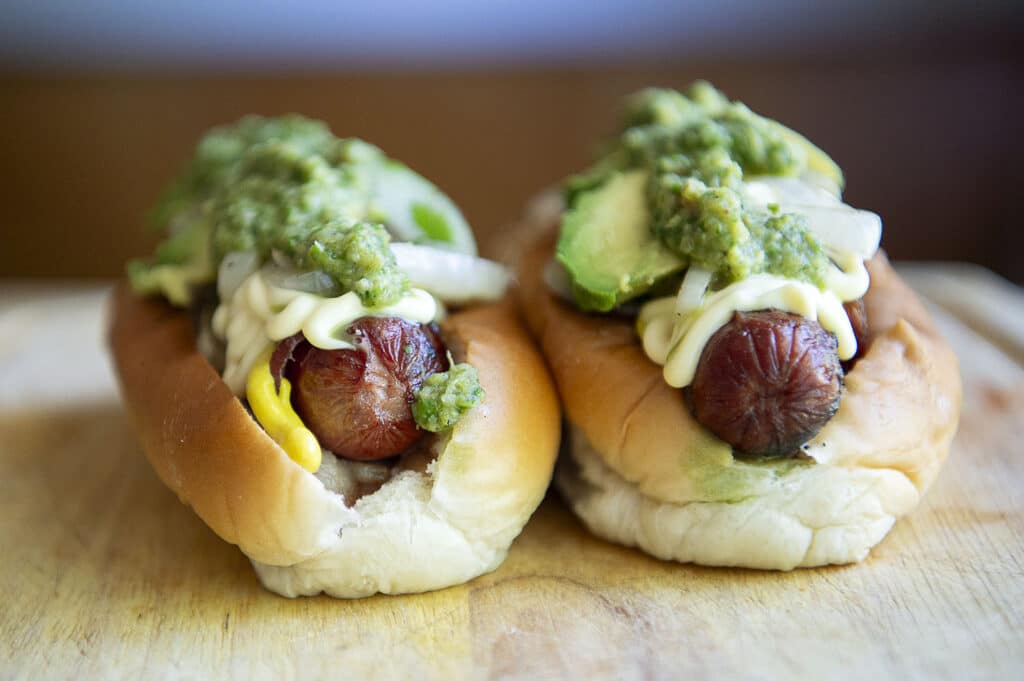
(933,146)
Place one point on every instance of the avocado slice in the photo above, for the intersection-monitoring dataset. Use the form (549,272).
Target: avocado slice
(607,247)
(817,160)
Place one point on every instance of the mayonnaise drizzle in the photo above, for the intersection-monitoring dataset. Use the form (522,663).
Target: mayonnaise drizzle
(677,343)
(675,338)
(260,314)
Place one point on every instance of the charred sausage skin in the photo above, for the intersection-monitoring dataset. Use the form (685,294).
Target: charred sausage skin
(357,401)
(767,382)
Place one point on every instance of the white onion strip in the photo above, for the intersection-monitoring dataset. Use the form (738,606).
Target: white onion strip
(234,268)
(841,228)
(452,277)
(838,226)
(691,292)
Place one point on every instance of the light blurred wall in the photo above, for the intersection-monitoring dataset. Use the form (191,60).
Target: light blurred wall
(282,34)
(100,102)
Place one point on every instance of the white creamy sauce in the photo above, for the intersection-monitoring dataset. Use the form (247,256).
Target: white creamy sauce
(259,314)
(677,341)
(675,329)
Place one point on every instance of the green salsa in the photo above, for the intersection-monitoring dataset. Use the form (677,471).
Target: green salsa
(710,225)
(696,150)
(446,396)
(219,153)
(288,200)
(287,187)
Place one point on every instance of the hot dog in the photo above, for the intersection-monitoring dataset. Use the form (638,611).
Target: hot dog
(747,382)
(767,382)
(357,401)
(339,404)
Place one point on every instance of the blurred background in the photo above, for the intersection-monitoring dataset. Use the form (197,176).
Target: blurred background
(919,101)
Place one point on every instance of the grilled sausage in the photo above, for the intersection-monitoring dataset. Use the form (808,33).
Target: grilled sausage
(767,382)
(357,402)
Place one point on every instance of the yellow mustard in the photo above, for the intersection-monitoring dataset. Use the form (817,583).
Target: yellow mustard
(274,411)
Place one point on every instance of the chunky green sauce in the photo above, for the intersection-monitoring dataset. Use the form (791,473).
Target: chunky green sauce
(446,396)
(287,200)
(220,152)
(709,224)
(287,186)
(697,149)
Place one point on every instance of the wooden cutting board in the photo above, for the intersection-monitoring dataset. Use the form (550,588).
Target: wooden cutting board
(104,574)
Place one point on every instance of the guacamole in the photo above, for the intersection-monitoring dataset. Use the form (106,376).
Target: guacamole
(696,149)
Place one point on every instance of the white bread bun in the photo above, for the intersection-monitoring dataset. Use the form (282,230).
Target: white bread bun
(645,473)
(422,530)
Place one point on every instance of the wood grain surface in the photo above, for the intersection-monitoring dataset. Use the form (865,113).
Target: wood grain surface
(104,574)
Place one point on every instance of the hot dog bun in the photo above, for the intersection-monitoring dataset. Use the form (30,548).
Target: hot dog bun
(645,473)
(422,530)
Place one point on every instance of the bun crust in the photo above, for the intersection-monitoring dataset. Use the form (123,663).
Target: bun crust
(420,531)
(646,473)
